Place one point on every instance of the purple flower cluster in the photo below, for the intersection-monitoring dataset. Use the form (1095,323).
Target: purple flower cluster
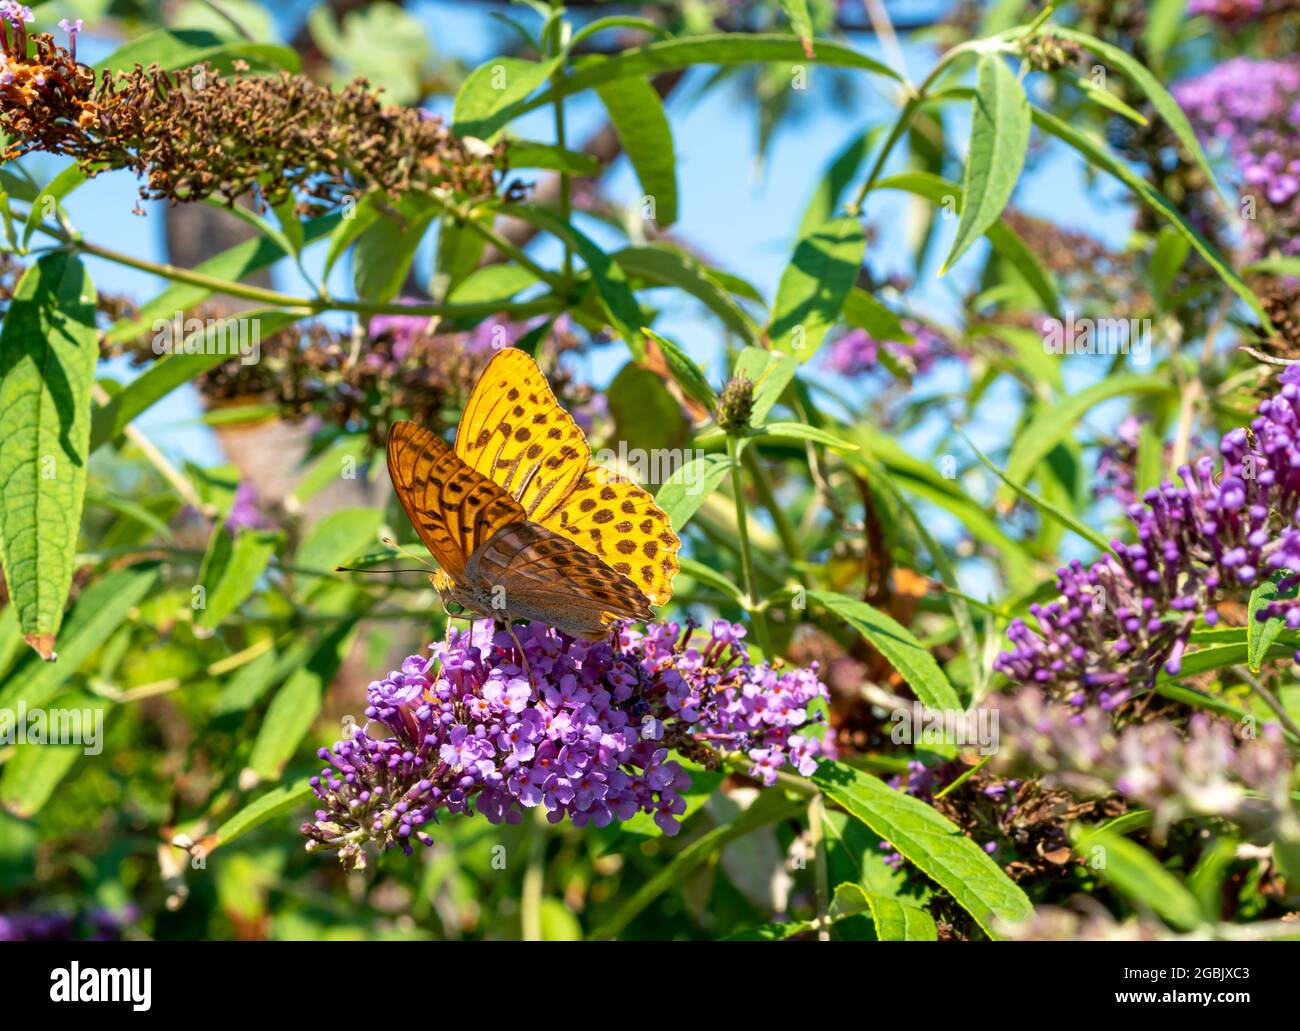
(1253,107)
(95,925)
(583,729)
(1239,12)
(1117,464)
(1120,619)
(1200,771)
(857,352)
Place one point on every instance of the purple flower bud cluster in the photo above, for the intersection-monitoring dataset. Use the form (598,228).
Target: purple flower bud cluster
(582,729)
(1122,618)
(1200,771)
(1252,106)
(857,352)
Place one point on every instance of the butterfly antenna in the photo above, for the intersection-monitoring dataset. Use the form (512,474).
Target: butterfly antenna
(354,569)
(409,554)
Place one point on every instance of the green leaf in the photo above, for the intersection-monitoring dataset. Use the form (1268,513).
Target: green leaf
(47,201)
(1138,874)
(298,702)
(1103,97)
(231,571)
(33,773)
(840,173)
(178,49)
(897,921)
(710,577)
(814,285)
(999,139)
(665,265)
(386,248)
(494,87)
(1168,257)
(638,117)
(682,494)
(1054,423)
(800,24)
(530,154)
(802,431)
(1043,505)
(611,283)
(48,349)
(896,643)
(1261,634)
(1101,156)
(1164,20)
(170,372)
(340,536)
(930,842)
(492,282)
(770,373)
(866,313)
(688,375)
(1002,238)
(100,610)
(671,54)
(1142,77)
(275,803)
(233,265)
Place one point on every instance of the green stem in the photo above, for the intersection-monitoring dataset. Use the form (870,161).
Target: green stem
(746,555)
(821,875)
(784,529)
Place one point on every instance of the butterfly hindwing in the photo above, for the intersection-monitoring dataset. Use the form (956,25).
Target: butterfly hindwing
(516,434)
(619,523)
(453,508)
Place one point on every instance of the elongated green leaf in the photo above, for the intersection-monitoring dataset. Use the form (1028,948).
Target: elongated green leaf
(814,285)
(272,804)
(530,154)
(682,494)
(1164,20)
(171,371)
(611,283)
(298,701)
(339,537)
(243,690)
(710,577)
(176,49)
(1142,77)
(1101,156)
(1002,238)
(687,374)
(1262,633)
(47,201)
(31,776)
(664,265)
(638,117)
(896,643)
(48,349)
(1138,874)
(930,842)
(770,373)
(232,265)
(999,139)
(1042,504)
(1103,97)
(386,248)
(228,583)
(494,87)
(897,921)
(839,174)
(802,431)
(800,24)
(865,312)
(671,54)
(99,611)
(1053,423)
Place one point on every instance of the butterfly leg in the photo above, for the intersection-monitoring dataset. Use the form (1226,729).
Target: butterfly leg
(522,657)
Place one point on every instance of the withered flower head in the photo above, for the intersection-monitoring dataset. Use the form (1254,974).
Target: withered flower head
(736,405)
(195,133)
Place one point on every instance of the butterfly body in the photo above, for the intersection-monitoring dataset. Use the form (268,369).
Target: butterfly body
(520,522)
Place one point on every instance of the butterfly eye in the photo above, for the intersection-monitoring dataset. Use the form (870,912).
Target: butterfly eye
(454,608)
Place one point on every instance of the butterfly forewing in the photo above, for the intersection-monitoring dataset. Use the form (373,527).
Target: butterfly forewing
(516,434)
(620,523)
(453,508)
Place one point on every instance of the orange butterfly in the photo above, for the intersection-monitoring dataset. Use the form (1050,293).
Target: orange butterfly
(521,522)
